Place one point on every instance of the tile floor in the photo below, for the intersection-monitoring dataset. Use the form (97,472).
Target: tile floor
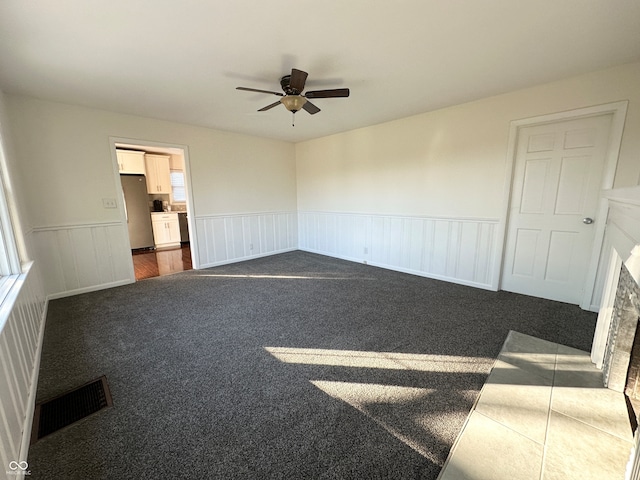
(543,414)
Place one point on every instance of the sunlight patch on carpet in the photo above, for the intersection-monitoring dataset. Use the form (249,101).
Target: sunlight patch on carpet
(384,360)
(390,406)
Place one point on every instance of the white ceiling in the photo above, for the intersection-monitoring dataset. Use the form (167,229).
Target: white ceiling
(181,60)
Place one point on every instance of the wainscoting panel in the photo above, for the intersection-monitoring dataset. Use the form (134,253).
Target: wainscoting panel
(21,330)
(459,250)
(81,258)
(225,239)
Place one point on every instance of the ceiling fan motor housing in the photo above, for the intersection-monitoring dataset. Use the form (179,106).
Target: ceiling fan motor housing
(285,83)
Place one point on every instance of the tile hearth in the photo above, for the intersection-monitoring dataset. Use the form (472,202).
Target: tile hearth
(542,414)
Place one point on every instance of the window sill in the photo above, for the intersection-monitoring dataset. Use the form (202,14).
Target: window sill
(10,288)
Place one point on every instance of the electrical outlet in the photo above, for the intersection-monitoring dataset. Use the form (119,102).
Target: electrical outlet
(366,250)
(251,246)
(109,203)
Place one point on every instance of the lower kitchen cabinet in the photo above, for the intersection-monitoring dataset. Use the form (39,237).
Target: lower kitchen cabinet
(166,229)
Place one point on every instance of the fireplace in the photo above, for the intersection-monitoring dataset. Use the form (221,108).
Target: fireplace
(621,362)
(616,343)
(632,387)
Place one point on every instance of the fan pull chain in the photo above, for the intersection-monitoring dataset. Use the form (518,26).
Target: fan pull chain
(293,119)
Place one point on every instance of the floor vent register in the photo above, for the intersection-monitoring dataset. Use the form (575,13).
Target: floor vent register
(59,412)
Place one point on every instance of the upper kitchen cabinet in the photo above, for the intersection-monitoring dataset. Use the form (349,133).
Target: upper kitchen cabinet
(131,161)
(158,175)
(176,162)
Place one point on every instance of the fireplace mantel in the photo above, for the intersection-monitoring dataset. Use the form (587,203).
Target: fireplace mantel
(624,215)
(628,195)
(622,245)
(621,234)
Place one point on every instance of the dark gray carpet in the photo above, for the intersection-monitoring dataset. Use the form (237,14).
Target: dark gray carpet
(197,393)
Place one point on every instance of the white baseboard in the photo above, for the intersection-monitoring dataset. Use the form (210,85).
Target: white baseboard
(92,288)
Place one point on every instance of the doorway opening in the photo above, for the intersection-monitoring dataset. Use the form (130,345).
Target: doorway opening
(155,199)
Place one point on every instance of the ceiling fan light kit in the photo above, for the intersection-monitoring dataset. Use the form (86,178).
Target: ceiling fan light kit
(293,103)
(293,99)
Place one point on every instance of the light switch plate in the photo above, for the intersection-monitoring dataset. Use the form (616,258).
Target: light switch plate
(109,203)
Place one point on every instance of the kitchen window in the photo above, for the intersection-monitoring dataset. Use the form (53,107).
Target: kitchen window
(178,191)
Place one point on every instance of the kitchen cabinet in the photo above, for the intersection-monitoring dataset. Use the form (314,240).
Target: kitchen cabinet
(130,161)
(166,229)
(158,174)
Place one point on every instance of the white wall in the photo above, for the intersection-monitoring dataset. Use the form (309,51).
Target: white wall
(442,170)
(64,152)
(448,165)
(22,314)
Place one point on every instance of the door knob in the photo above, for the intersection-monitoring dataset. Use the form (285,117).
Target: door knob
(587,220)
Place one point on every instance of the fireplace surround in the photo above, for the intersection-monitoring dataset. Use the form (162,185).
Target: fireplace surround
(616,345)
(622,332)
(619,355)
(621,360)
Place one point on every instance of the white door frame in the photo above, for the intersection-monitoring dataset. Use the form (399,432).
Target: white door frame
(618,110)
(190,209)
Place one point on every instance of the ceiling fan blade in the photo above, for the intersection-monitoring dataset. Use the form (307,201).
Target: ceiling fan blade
(336,92)
(310,107)
(259,91)
(298,79)
(274,104)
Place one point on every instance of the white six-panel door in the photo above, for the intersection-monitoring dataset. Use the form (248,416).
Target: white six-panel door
(557,178)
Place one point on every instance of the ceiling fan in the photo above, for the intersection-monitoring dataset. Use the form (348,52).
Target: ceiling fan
(292,98)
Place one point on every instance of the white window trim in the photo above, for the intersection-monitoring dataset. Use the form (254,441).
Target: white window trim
(12,271)
(10,263)
(184,186)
